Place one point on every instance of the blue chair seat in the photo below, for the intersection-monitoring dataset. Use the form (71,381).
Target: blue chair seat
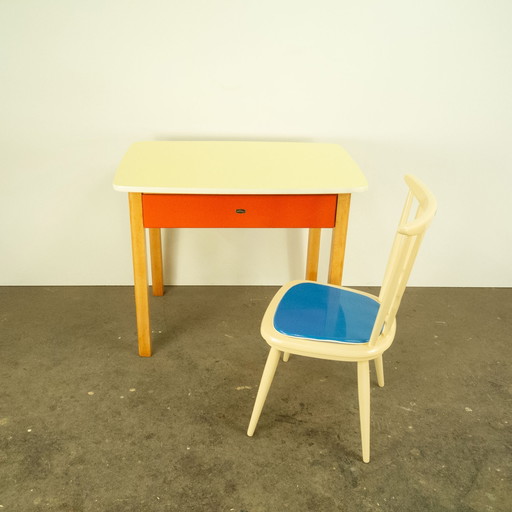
(324,313)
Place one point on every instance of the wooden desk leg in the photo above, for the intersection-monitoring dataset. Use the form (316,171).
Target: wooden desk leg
(313,254)
(339,238)
(157,277)
(140,273)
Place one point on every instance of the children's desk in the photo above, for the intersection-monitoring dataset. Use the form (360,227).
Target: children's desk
(233,185)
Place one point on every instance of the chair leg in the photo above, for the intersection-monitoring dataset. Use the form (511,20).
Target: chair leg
(363,388)
(379,368)
(266,381)
(286,356)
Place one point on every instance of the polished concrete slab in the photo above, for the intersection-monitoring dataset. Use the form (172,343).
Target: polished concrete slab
(87,425)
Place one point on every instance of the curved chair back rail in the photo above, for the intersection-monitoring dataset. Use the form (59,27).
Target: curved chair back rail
(409,235)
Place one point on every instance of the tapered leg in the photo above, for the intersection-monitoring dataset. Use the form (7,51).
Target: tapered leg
(266,381)
(157,276)
(313,254)
(363,388)
(339,238)
(140,273)
(286,356)
(379,369)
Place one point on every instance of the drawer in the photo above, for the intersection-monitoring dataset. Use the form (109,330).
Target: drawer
(238,211)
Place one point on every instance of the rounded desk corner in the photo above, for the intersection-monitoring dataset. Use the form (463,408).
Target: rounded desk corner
(122,188)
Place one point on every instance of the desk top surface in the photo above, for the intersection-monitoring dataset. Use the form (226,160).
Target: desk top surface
(223,167)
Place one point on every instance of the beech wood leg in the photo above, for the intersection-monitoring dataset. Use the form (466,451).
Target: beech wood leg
(339,238)
(157,275)
(140,273)
(313,254)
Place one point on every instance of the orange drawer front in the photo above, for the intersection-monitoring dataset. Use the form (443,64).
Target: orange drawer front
(238,211)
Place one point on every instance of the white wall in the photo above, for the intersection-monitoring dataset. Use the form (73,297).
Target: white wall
(421,87)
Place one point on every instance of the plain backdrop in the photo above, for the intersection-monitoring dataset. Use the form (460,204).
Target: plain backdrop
(404,86)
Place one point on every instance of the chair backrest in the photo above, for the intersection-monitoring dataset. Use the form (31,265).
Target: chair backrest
(408,238)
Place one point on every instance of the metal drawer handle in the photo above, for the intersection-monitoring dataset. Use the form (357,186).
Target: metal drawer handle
(240,210)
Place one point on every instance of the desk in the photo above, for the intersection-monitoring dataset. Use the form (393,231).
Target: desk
(237,185)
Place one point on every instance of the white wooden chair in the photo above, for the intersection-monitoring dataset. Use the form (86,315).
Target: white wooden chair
(333,322)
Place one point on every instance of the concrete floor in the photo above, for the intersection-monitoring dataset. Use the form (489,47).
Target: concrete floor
(87,425)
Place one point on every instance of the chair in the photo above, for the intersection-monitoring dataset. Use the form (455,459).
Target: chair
(333,322)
